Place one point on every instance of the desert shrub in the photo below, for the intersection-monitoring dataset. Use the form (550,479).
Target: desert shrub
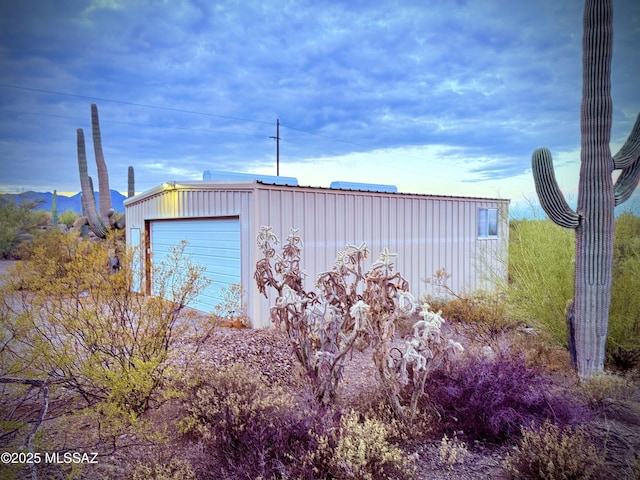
(485,309)
(52,244)
(623,359)
(68,217)
(606,386)
(490,399)
(541,274)
(541,271)
(359,448)
(624,325)
(173,470)
(88,333)
(18,221)
(245,428)
(232,310)
(552,452)
(452,451)
(481,315)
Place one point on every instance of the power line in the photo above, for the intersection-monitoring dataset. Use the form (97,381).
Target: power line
(121,102)
(115,122)
(328,137)
(192,112)
(171,109)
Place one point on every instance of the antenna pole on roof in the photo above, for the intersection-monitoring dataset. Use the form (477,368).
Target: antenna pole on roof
(277,137)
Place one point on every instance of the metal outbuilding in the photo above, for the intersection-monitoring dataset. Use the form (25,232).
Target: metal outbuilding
(467,236)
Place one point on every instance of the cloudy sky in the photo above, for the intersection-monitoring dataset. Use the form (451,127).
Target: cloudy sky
(434,96)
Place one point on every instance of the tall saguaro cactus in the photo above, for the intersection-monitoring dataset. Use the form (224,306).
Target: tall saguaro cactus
(104,191)
(88,202)
(593,221)
(131,183)
(104,220)
(54,209)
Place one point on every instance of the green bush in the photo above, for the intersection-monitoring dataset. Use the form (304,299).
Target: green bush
(71,321)
(541,257)
(624,324)
(541,272)
(549,452)
(68,217)
(18,222)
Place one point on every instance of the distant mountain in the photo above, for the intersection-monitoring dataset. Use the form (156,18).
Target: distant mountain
(44,200)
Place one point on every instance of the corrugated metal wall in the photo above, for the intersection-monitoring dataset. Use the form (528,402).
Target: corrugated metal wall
(427,232)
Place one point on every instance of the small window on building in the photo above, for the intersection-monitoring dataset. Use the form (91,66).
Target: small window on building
(488,223)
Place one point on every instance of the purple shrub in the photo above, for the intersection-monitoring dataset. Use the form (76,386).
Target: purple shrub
(491,399)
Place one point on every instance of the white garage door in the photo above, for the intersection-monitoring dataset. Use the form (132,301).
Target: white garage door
(213,243)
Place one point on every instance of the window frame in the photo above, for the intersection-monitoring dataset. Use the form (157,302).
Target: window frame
(488,224)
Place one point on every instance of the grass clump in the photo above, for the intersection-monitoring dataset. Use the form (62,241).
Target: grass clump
(173,470)
(541,272)
(605,386)
(481,315)
(551,452)
(452,451)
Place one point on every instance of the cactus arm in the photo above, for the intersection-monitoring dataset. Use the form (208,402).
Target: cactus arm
(88,203)
(551,198)
(627,182)
(628,160)
(630,151)
(103,174)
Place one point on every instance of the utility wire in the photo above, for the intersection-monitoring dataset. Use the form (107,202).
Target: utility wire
(326,136)
(121,102)
(115,122)
(192,112)
(170,109)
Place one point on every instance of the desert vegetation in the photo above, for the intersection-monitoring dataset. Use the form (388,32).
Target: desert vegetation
(541,257)
(358,378)
(18,223)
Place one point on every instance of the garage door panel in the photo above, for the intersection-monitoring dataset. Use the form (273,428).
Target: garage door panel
(212,242)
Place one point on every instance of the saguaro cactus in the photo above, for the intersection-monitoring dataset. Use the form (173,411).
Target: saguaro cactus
(88,202)
(131,185)
(54,209)
(106,213)
(593,221)
(105,220)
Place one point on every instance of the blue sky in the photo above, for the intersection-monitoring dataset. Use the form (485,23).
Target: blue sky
(444,97)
